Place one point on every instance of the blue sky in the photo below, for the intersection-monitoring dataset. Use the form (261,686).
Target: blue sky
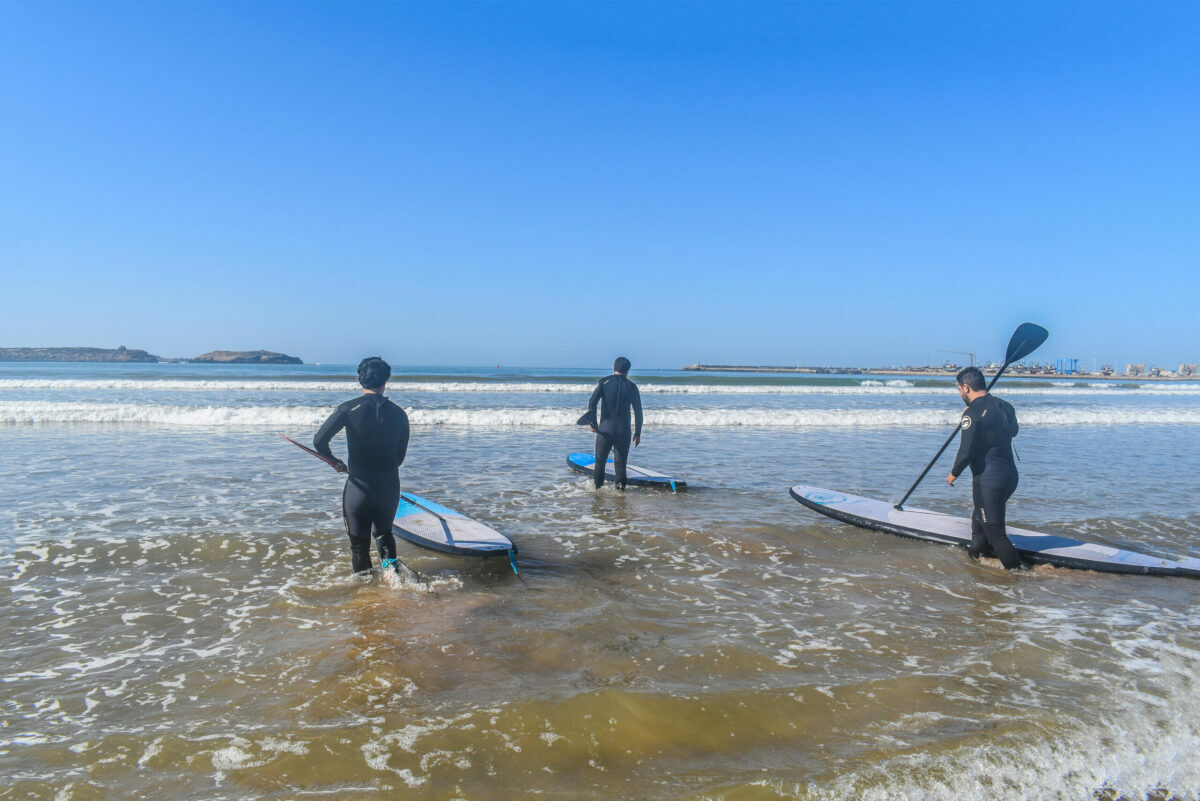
(549,184)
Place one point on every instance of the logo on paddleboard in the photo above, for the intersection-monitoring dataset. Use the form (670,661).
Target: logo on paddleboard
(825,498)
(966,423)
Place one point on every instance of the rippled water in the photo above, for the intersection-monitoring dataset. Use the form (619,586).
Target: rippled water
(181,623)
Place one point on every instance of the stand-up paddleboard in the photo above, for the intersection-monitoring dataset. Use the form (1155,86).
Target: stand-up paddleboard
(1034,546)
(431,525)
(637,476)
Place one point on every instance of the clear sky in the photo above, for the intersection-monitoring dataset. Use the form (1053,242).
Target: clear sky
(531,184)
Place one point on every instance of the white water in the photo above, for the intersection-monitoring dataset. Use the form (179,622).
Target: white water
(867,387)
(180,616)
(17,412)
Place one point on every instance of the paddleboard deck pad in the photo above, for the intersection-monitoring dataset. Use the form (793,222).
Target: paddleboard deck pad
(431,525)
(921,524)
(637,476)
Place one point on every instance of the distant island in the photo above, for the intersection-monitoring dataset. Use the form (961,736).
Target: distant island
(246,357)
(124,354)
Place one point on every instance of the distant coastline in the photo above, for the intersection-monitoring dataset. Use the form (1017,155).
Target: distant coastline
(931,372)
(127,355)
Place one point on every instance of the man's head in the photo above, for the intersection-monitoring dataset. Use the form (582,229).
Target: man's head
(373,373)
(970,380)
(622,365)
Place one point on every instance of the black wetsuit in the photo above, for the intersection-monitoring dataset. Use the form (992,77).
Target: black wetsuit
(377,439)
(618,395)
(988,426)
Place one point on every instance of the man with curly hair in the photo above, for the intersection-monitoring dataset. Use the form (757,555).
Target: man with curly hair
(377,440)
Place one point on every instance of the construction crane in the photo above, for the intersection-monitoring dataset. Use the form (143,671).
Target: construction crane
(960,353)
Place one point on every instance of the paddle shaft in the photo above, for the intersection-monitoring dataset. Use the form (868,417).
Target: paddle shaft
(331,462)
(953,434)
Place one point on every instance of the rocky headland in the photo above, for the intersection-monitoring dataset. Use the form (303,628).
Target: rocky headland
(121,354)
(124,354)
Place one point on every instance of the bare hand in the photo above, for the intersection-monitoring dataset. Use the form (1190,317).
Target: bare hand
(341,467)
(594,429)
(950,479)
(637,441)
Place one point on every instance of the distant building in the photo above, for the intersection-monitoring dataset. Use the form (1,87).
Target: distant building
(1188,369)
(1135,369)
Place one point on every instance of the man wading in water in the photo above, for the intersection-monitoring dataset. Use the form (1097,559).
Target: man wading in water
(988,426)
(377,439)
(618,394)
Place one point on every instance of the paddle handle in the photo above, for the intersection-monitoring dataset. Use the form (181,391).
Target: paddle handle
(946,444)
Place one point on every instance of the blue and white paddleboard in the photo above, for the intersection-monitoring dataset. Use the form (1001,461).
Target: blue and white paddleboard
(637,476)
(431,525)
(1034,546)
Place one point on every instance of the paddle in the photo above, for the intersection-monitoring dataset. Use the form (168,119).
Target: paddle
(1025,340)
(326,459)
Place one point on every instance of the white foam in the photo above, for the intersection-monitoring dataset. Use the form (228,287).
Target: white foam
(894,383)
(232,758)
(401,387)
(275,417)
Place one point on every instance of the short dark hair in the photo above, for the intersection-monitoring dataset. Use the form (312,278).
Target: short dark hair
(622,365)
(971,378)
(373,372)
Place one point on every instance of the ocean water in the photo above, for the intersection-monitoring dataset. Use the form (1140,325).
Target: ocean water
(180,620)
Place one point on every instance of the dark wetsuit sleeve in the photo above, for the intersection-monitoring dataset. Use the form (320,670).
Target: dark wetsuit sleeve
(402,442)
(964,449)
(595,399)
(637,412)
(335,423)
(1010,414)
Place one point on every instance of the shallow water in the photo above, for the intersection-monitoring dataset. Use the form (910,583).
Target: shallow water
(181,622)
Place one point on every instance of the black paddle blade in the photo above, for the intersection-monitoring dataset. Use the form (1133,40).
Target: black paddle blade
(1025,340)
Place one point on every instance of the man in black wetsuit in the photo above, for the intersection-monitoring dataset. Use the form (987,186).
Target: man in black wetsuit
(377,439)
(618,395)
(988,426)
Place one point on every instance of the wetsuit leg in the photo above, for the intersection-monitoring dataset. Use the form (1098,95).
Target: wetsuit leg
(357,512)
(621,456)
(979,545)
(383,515)
(998,485)
(604,444)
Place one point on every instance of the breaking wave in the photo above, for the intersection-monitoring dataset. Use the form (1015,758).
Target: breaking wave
(400,387)
(18,412)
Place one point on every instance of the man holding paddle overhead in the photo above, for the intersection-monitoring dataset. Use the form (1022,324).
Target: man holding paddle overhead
(618,395)
(988,426)
(377,440)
